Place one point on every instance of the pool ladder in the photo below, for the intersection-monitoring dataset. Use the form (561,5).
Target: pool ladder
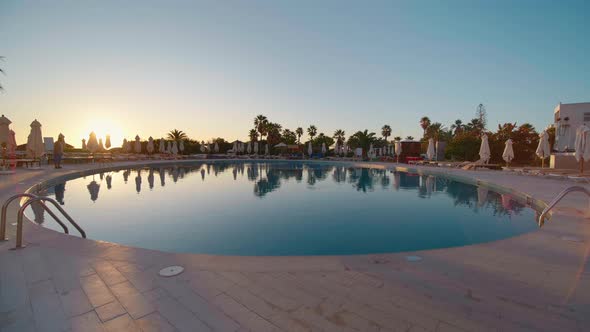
(558,198)
(32,198)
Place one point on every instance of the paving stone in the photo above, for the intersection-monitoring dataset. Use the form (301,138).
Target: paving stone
(108,273)
(13,285)
(110,311)
(132,300)
(245,317)
(121,324)
(154,323)
(47,309)
(98,293)
(34,265)
(87,322)
(179,316)
(75,302)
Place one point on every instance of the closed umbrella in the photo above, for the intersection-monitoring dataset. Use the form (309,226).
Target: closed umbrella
(84,144)
(249,149)
(398,149)
(216,148)
(123,146)
(150,145)
(137,144)
(35,146)
(371,152)
(11,144)
(174,148)
(484,149)
(266,151)
(255,147)
(203,147)
(508,153)
(181,146)
(430,151)
(169,147)
(309,149)
(543,150)
(162,147)
(323,148)
(100,145)
(582,147)
(92,144)
(107,143)
(4,130)
(235,147)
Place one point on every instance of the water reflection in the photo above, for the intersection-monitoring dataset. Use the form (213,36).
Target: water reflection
(268,178)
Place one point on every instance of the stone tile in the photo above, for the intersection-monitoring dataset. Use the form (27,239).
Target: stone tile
(98,293)
(133,301)
(154,323)
(34,265)
(88,322)
(75,302)
(47,309)
(13,285)
(18,319)
(154,294)
(245,317)
(110,311)
(108,273)
(121,324)
(179,316)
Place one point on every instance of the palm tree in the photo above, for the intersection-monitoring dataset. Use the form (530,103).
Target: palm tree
(424,123)
(397,138)
(260,122)
(253,134)
(339,136)
(177,135)
(435,130)
(1,71)
(299,132)
(457,126)
(362,139)
(386,132)
(410,138)
(312,131)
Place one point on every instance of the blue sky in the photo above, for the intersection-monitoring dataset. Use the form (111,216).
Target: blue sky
(141,67)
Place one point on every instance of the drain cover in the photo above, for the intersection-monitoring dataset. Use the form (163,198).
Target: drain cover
(571,238)
(413,258)
(171,271)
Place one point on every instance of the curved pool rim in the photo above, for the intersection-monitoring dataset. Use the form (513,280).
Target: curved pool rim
(522,197)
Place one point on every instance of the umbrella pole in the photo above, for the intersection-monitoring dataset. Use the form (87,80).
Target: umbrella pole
(542,162)
(581,165)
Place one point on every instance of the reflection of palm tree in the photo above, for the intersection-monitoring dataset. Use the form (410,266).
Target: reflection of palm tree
(364,180)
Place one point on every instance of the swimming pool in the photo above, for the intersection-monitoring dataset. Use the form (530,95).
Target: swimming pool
(284,208)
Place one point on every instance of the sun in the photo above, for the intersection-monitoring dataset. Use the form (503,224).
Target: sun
(104,127)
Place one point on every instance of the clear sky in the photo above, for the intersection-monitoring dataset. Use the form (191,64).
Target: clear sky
(146,67)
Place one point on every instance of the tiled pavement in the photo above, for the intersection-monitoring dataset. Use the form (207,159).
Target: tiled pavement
(537,281)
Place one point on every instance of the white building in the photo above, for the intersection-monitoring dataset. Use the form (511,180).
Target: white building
(568,117)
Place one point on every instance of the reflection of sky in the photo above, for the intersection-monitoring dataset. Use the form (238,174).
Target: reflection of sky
(288,208)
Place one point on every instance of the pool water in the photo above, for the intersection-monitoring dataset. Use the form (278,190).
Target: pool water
(284,208)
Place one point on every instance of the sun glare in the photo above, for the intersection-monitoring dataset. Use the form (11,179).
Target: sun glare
(102,128)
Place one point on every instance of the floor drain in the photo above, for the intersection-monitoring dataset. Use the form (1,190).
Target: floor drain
(171,271)
(571,238)
(413,258)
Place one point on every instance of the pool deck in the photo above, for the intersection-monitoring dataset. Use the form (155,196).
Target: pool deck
(538,281)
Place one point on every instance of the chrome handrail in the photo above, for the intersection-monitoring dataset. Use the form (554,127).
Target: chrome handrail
(557,199)
(21,212)
(4,210)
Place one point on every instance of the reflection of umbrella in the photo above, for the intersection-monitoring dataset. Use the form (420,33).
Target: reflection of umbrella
(508,153)
(396,180)
(543,147)
(430,151)
(235,173)
(138,183)
(137,144)
(506,202)
(181,146)
(484,149)
(150,145)
(35,146)
(38,211)
(429,185)
(151,178)
(162,177)
(93,189)
(482,196)
(202,174)
(60,190)
(174,148)
(107,143)
(84,144)
(216,148)
(109,180)
(582,147)
(92,144)
(309,149)
(162,147)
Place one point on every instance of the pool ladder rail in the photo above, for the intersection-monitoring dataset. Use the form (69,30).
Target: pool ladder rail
(32,198)
(558,198)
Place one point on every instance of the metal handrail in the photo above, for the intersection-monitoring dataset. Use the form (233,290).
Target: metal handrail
(557,199)
(4,210)
(21,212)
